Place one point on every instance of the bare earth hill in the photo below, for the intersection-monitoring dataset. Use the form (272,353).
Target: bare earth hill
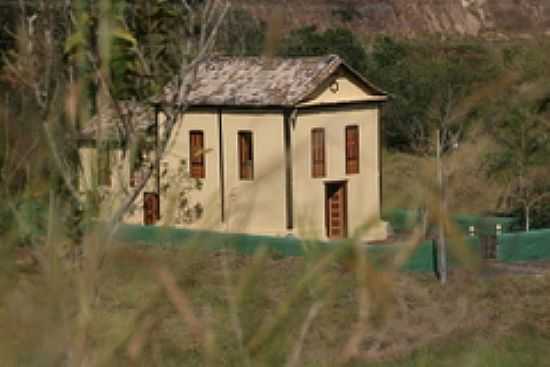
(495,19)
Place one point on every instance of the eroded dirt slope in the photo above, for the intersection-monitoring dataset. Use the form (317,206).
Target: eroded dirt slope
(487,18)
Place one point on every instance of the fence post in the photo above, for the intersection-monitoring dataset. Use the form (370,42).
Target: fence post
(498,238)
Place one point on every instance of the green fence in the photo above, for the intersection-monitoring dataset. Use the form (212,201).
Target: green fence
(405,220)
(485,225)
(421,259)
(178,237)
(524,246)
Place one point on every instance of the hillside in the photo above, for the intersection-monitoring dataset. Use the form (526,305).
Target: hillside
(493,19)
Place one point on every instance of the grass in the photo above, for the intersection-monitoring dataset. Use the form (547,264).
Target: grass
(252,310)
(524,349)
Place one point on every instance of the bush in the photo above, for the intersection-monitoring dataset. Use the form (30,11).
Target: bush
(308,41)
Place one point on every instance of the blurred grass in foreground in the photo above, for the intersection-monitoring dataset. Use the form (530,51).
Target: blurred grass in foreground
(156,307)
(524,348)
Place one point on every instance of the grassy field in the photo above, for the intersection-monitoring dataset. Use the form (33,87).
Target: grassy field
(153,307)
(521,349)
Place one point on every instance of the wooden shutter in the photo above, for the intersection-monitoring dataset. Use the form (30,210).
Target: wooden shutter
(151,208)
(318,153)
(246,155)
(352,149)
(196,153)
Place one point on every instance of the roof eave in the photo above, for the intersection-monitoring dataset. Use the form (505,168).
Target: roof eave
(362,102)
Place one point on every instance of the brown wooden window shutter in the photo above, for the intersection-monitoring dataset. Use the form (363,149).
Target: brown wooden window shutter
(352,149)
(318,153)
(196,154)
(246,155)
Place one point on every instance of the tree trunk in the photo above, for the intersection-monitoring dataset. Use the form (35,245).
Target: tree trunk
(527,218)
(441,240)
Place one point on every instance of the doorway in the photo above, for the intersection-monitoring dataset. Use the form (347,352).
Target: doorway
(336,207)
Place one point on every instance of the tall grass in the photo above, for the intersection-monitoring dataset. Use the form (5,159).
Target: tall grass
(82,299)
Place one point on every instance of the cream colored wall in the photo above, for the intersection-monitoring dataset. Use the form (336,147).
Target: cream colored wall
(208,196)
(256,206)
(340,88)
(362,189)
(113,194)
(87,158)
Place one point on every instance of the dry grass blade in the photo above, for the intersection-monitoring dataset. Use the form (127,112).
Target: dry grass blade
(138,341)
(181,302)
(312,314)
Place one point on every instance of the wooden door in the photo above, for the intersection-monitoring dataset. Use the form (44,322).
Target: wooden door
(336,210)
(151,208)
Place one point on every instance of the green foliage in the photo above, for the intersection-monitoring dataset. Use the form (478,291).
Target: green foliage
(308,41)
(529,58)
(519,162)
(86,46)
(161,29)
(241,34)
(523,141)
(419,74)
(539,216)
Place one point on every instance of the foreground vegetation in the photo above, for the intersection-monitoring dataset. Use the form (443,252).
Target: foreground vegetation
(76,298)
(186,307)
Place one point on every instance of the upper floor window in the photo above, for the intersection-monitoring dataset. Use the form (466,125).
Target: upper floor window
(318,153)
(352,149)
(246,155)
(196,154)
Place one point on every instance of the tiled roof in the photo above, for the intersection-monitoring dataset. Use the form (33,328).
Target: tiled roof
(258,81)
(114,122)
(230,81)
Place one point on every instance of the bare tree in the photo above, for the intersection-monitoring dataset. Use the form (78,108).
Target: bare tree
(520,161)
(439,138)
(174,104)
(39,66)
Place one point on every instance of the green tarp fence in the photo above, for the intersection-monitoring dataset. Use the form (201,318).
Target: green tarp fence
(421,259)
(405,220)
(524,246)
(178,237)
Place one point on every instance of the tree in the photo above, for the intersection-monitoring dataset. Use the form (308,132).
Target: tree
(241,34)
(308,41)
(166,33)
(71,58)
(413,72)
(447,125)
(520,161)
(455,97)
(61,50)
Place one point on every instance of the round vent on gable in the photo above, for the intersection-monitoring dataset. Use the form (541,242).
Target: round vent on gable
(334,87)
